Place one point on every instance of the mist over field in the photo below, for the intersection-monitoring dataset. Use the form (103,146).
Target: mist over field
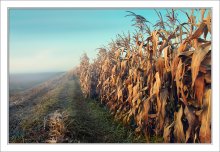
(22,81)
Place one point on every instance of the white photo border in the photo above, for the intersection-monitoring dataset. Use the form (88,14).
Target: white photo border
(6,5)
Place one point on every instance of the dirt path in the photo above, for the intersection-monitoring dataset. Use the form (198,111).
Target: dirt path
(86,122)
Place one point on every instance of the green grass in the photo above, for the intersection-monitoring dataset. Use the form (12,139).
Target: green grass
(113,131)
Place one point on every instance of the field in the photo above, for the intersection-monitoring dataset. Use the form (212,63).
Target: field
(150,86)
(83,120)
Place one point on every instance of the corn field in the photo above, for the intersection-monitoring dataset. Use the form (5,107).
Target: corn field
(157,81)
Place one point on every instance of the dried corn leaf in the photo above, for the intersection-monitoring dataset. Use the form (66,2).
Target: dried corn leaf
(174,66)
(186,54)
(114,70)
(135,90)
(178,127)
(117,54)
(166,58)
(157,84)
(163,99)
(160,65)
(182,47)
(199,88)
(199,31)
(119,94)
(208,77)
(140,49)
(198,57)
(190,116)
(154,41)
(208,21)
(205,129)
(146,107)
(167,133)
(178,77)
(123,65)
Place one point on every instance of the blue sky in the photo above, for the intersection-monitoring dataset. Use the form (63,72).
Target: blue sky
(46,40)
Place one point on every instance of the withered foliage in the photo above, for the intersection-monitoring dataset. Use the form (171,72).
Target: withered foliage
(54,124)
(159,85)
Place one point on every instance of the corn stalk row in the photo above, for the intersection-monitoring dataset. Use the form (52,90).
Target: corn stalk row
(157,81)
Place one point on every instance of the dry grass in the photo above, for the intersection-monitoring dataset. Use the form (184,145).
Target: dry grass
(55,125)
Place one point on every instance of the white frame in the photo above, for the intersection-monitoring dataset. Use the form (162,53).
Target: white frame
(5,146)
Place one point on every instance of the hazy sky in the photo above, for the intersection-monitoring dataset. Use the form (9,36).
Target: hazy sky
(54,39)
